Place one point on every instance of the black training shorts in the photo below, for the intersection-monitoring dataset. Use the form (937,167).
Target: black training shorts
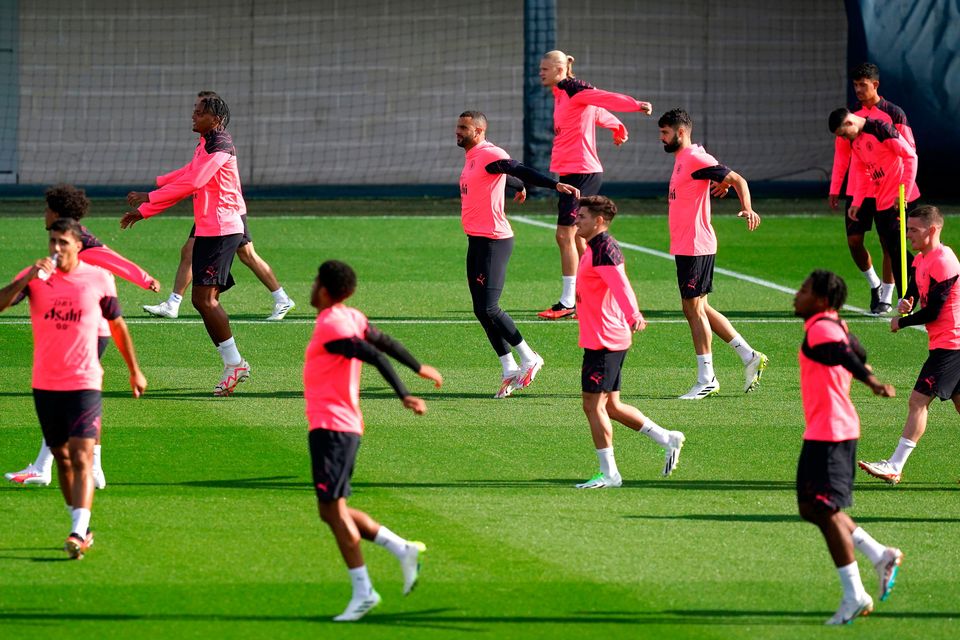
(589,185)
(212,260)
(825,473)
(601,369)
(940,374)
(864,221)
(695,275)
(68,414)
(332,455)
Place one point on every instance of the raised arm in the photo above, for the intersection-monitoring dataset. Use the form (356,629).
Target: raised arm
(15,291)
(610,100)
(108,259)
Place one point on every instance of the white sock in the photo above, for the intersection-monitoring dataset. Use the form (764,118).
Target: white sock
(744,350)
(865,543)
(360,580)
(886,292)
(901,453)
(279,296)
(229,353)
(96,457)
(44,461)
(850,580)
(655,432)
(527,356)
(569,296)
(608,465)
(81,522)
(705,368)
(871,276)
(174,300)
(509,364)
(391,542)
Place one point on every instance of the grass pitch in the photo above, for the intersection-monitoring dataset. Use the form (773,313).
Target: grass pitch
(208,525)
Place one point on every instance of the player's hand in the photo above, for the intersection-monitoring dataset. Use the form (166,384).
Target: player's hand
(154,285)
(138,383)
(905,305)
(130,218)
(520,196)
(894,325)
(852,212)
(881,389)
(568,189)
(417,405)
(753,219)
(834,201)
(719,189)
(646,107)
(620,135)
(43,264)
(136,198)
(639,325)
(428,372)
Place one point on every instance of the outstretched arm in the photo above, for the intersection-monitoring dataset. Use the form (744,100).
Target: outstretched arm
(844,355)
(530,176)
(393,348)
(108,259)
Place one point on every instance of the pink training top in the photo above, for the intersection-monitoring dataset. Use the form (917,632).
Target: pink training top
(940,264)
(331,382)
(578,108)
(829,412)
(884,111)
(481,194)
(882,160)
(691,233)
(213,179)
(65,313)
(606,304)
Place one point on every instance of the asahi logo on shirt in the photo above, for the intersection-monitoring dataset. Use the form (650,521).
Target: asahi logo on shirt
(63,313)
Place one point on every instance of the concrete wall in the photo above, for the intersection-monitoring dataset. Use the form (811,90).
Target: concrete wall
(364,92)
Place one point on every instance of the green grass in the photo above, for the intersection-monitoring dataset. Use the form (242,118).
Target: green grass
(208,525)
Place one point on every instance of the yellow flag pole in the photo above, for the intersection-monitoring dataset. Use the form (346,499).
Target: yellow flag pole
(903,240)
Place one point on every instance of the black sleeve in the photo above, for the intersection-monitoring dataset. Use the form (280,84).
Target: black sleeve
(392,347)
(515,183)
(912,290)
(517,170)
(843,354)
(363,350)
(936,297)
(110,307)
(715,173)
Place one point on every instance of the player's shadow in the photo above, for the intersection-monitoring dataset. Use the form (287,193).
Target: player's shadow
(440,396)
(781,518)
(447,619)
(195,394)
